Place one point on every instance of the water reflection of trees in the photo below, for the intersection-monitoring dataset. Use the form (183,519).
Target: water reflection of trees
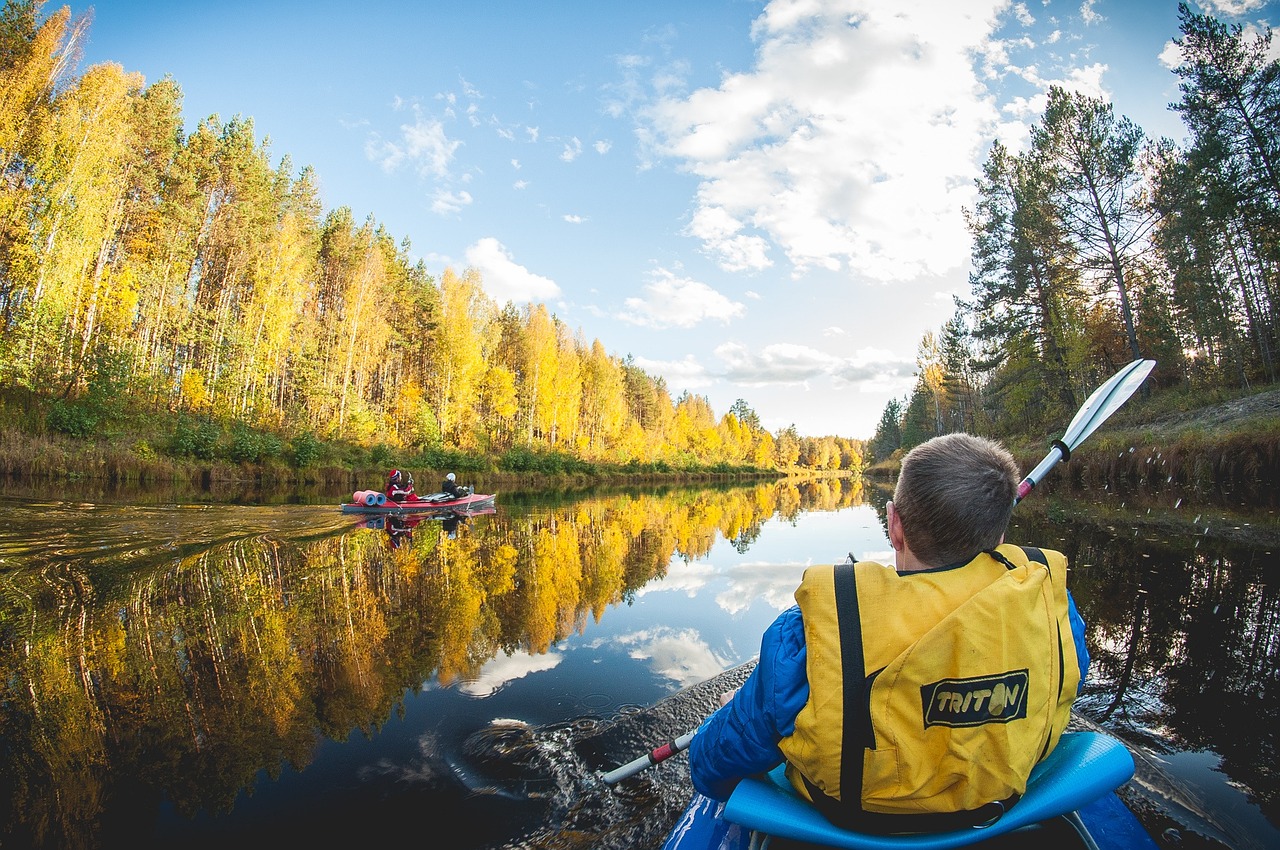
(132,679)
(1184,631)
(184,679)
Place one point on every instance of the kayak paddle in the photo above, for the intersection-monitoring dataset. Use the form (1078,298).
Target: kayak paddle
(1105,401)
(649,759)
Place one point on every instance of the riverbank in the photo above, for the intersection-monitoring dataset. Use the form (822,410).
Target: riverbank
(1228,445)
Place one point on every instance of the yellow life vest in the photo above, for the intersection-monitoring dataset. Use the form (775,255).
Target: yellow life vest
(955,684)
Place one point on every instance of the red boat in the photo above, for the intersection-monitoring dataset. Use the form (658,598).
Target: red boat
(442,503)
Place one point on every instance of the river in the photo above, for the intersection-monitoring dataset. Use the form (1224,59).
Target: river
(211,675)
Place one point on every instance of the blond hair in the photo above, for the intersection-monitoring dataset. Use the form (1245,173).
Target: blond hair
(954,496)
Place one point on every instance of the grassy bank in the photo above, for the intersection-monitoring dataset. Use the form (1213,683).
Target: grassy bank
(1216,441)
(46,446)
(1221,441)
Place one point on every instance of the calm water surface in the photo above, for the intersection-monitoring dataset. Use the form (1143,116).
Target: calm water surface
(245,675)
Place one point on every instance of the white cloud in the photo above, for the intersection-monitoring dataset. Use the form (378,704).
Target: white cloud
(875,370)
(426,144)
(1025,111)
(504,279)
(797,365)
(721,234)
(572,150)
(1233,8)
(1088,15)
(574,219)
(1087,80)
(778,363)
(671,301)
(602,146)
(447,203)
(684,374)
(852,144)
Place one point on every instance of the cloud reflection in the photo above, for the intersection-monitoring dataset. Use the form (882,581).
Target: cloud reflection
(681,656)
(507,668)
(773,584)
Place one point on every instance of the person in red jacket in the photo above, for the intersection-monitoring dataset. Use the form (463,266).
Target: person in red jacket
(400,487)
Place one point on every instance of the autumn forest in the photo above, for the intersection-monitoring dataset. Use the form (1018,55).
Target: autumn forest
(182,277)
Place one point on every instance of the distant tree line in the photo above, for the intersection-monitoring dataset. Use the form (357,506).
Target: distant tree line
(181,273)
(1097,246)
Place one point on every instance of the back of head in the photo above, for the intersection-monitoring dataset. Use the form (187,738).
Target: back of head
(955,495)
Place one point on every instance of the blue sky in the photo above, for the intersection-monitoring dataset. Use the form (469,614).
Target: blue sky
(753,200)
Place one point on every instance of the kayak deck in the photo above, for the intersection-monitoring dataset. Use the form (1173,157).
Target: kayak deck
(1070,802)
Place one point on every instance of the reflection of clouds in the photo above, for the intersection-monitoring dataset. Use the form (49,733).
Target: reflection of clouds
(773,583)
(688,578)
(431,767)
(885,557)
(681,656)
(427,769)
(504,669)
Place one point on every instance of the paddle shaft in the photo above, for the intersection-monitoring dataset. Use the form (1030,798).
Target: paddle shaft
(1105,400)
(649,759)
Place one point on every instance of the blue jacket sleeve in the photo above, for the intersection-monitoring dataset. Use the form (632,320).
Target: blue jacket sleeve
(741,738)
(1077,635)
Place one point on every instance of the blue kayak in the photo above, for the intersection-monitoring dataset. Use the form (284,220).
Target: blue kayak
(1070,802)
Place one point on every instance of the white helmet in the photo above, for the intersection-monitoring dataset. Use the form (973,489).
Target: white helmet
(450,477)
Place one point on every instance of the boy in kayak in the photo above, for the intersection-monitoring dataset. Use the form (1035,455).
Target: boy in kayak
(918,698)
(400,487)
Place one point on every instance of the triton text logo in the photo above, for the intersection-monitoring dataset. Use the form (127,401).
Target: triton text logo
(973,702)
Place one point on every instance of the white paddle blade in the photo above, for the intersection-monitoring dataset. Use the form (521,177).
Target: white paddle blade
(1105,400)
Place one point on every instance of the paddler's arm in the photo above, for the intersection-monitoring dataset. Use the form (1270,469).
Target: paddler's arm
(741,738)
(1077,636)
